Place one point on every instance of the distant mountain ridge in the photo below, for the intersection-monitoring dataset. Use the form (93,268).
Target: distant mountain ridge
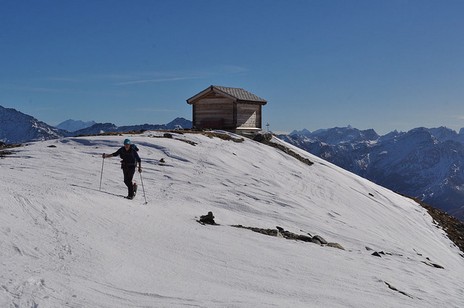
(427,163)
(17,127)
(99,128)
(74,125)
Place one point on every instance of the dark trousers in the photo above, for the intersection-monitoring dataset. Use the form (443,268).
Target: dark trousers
(128,175)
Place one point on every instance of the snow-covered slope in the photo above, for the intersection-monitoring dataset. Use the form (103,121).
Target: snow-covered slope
(426,163)
(64,243)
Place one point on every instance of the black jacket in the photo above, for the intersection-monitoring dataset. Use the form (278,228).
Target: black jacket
(129,158)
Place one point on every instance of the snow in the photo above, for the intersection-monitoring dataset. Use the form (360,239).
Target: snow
(64,243)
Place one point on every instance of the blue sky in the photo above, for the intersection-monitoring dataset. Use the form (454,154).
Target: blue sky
(392,64)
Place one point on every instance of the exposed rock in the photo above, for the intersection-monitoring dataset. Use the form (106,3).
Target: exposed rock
(281,232)
(335,245)
(453,227)
(223,136)
(3,146)
(319,239)
(270,232)
(433,264)
(304,238)
(285,149)
(307,233)
(263,137)
(395,289)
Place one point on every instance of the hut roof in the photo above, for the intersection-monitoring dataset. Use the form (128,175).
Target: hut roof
(236,93)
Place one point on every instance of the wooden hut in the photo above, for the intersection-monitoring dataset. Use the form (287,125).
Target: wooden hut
(232,109)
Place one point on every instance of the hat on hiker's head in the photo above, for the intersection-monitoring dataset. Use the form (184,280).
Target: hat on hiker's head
(127,141)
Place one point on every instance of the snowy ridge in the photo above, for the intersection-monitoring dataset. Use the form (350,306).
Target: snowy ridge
(64,243)
(17,127)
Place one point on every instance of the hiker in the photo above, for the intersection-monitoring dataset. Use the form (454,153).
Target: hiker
(130,158)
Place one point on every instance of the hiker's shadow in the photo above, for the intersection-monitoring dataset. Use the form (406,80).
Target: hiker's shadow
(94,189)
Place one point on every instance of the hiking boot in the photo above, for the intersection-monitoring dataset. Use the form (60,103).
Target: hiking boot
(135,188)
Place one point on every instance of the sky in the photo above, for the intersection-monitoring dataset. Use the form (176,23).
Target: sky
(385,65)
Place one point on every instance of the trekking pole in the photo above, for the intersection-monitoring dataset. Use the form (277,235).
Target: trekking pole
(143,188)
(101,174)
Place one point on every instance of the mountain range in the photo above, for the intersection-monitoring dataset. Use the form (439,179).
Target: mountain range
(74,125)
(17,127)
(98,128)
(424,163)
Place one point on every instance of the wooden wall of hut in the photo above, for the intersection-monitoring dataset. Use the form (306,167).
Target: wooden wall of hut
(214,113)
